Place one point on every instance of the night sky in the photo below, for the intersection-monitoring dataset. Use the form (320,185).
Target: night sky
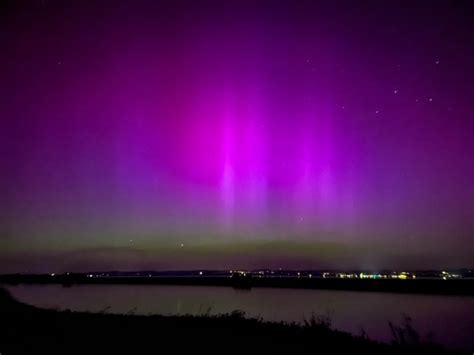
(224,134)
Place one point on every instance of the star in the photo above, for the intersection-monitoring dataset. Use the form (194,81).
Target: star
(395,91)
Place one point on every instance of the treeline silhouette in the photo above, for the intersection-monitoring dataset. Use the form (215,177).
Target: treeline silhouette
(461,286)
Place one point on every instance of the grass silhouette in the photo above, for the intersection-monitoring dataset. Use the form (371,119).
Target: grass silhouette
(26,329)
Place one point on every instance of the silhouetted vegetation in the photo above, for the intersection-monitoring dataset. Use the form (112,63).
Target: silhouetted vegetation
(405,336)
(318,321)
(26,329)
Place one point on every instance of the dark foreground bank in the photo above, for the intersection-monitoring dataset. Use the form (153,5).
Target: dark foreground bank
(25,329)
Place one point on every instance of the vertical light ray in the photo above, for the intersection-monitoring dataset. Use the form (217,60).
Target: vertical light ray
(256,174)
(227,180)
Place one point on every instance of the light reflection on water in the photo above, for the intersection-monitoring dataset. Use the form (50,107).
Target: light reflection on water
(450,318)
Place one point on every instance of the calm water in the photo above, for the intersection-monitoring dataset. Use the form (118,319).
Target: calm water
(450,318)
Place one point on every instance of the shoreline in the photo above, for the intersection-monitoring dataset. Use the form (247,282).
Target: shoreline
(458,287)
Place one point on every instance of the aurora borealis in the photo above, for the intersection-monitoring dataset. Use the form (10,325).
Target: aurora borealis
(190,134)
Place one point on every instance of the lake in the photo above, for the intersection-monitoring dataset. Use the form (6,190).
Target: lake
(449,318)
